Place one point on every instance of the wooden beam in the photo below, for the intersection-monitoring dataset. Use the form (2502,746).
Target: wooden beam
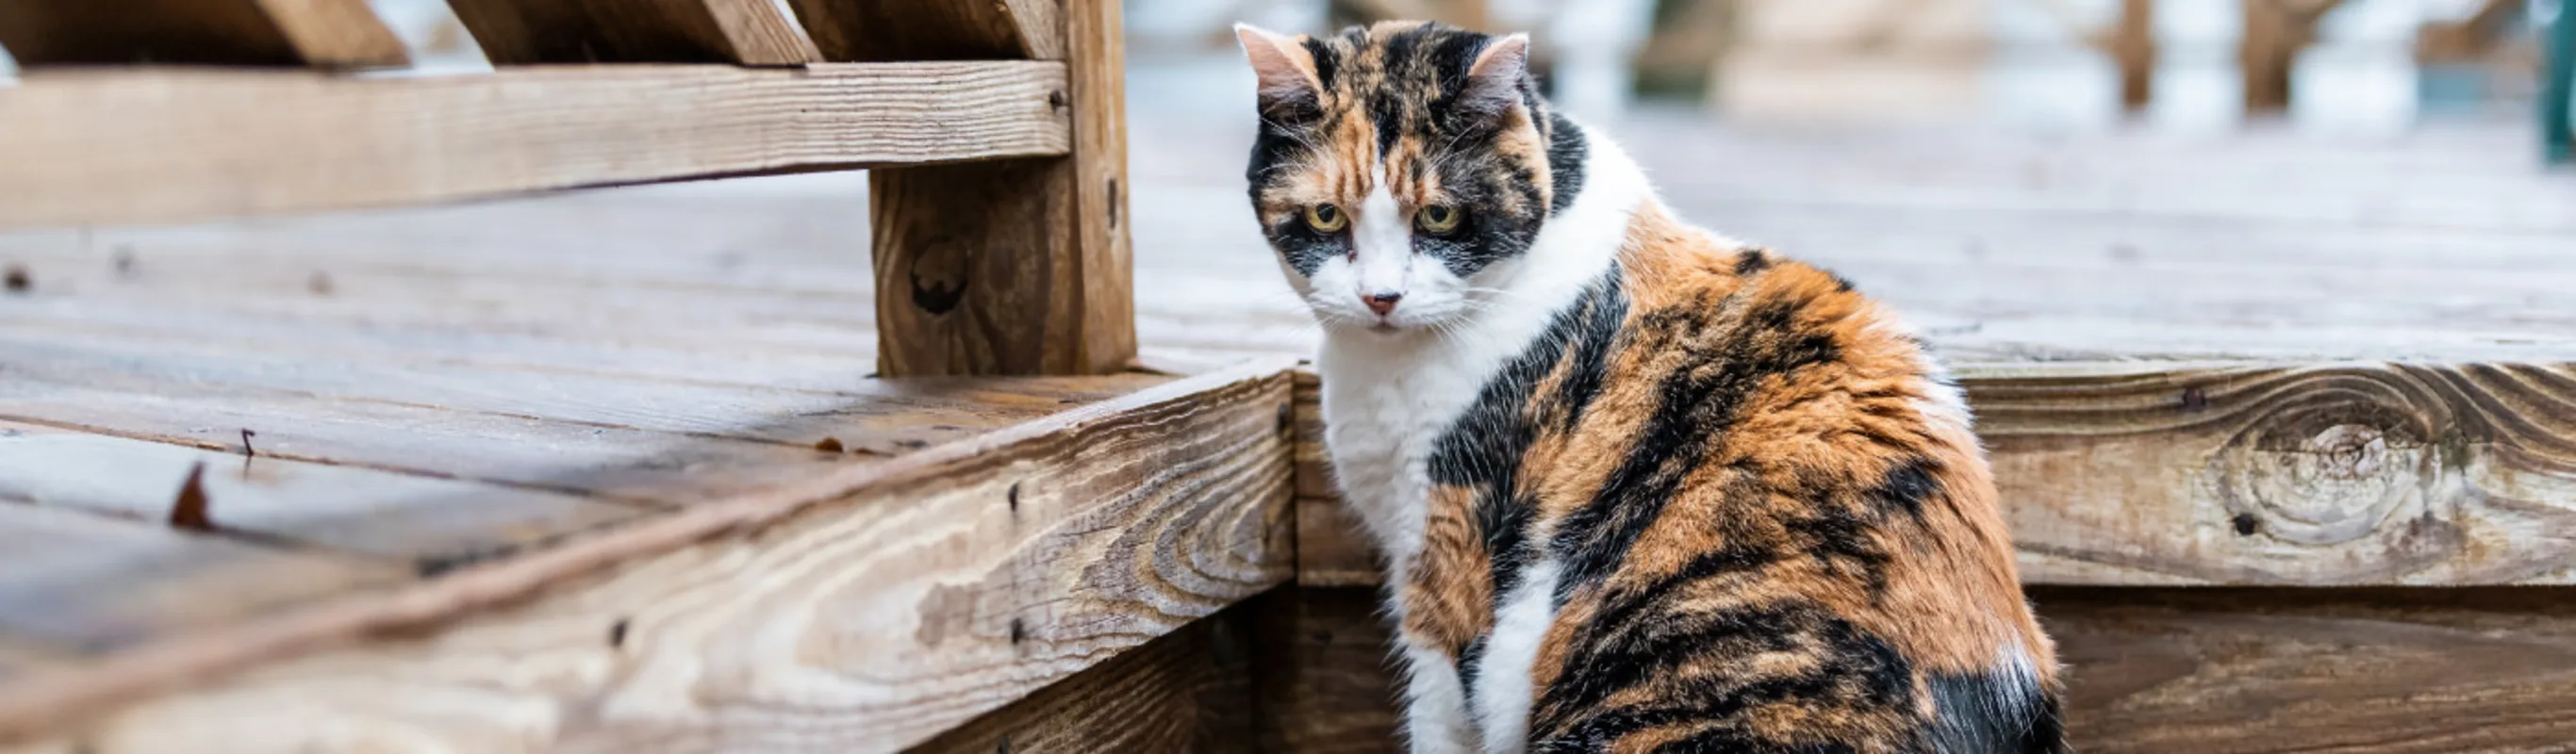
(170,145)
(323,33)
(866,611)
(1189,690)
(528,32)
(1323,674)
(865,31)
(2266,670)
(2149,670)
(2144,474)
(1021,268)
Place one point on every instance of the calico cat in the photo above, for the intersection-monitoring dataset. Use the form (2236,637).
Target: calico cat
(1636,487)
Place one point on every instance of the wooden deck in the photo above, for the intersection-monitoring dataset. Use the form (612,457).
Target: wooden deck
(611,468)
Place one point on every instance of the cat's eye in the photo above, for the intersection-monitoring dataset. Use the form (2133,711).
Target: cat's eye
(1326,218)
(1438,218)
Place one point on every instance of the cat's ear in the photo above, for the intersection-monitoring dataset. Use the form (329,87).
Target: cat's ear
(1494,80)
(1283,66)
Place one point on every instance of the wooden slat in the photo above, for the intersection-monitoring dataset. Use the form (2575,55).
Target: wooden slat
(2351,474)
(1323,673)
(2149,670)
(325,33)
(1016,268)
(430,523)
(642,441)
(891,30)
(528,32)
(2378,670)
(2331,474)
(863,611)
(167,145)
(56,565)
(1189,690)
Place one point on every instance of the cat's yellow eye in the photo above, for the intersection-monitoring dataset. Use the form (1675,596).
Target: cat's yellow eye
(1438,219)
(1326,218)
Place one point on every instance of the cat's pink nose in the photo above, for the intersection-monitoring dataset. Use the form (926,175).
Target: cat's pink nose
(1382,301)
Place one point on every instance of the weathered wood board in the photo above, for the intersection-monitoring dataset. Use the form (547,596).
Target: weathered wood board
(130,146)
(2143,473)
(1190,690)
(1015,267)
(323,33)
(529,32)
(2149,670)
(917,592)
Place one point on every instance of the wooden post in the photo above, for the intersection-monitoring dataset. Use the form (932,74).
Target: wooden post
(2275,32)
(2558,135)
(2134,44)
(1007,268)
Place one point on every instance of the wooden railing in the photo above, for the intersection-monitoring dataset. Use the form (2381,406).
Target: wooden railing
(995,130)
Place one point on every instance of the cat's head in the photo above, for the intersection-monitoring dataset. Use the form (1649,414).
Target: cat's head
(1400,168)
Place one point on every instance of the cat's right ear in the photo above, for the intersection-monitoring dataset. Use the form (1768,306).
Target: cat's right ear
(1285,69)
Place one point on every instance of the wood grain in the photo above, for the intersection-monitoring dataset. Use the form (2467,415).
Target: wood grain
(1189,690)
(893,30)
(428,522)
(2360,474)
(2150,670)
(2336,670)
(1015,268)
(324,33)
(644,441)
(2333,474)
(1322,674)
(864,611)
(529,32)
(168,145)
(1331,548)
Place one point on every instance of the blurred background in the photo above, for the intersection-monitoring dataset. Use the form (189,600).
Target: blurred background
(2354,66)
(2031,178)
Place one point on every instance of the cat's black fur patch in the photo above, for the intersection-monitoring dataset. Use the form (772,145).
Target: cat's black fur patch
(1994,712)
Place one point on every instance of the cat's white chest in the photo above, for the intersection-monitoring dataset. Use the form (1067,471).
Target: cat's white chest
(1383,417)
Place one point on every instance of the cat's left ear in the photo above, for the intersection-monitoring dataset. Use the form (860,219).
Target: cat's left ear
(1494,80)
(1285,69)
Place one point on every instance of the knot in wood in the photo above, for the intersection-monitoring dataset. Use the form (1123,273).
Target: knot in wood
(2330,458)
(938,277)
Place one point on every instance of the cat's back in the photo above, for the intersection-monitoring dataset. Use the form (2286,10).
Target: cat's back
(1773,528)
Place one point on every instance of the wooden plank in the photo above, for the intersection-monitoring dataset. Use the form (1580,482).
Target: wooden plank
(2315,475)
(431,523)
(1322,673)
(1331,550)
(636,441)
(324,33)
(2341,474)
(866,610)
(1189,690)
(168,145)
(894,30)
(1016,268)
(2150,670)
(54,564)
(2379,670)
(530,32)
